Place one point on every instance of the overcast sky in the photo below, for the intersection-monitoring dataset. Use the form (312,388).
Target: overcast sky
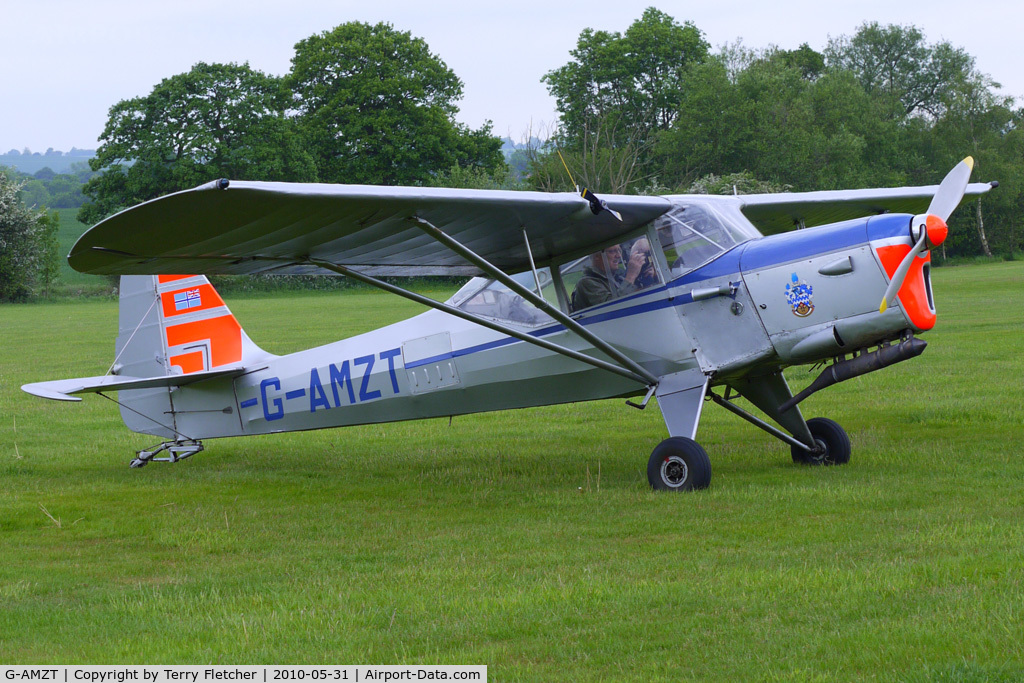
(65,62)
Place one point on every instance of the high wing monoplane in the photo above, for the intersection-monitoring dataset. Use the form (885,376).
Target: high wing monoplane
(572,298)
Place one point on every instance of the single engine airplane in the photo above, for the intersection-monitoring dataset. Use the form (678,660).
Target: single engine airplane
(572,298)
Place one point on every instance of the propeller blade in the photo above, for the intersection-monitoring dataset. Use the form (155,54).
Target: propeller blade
(947,198)
(951,190)
(901,272)
(597,205)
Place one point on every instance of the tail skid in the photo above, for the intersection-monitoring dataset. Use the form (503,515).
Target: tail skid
(177,451)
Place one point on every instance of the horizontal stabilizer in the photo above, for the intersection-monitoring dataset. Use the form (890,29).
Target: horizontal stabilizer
(61,389)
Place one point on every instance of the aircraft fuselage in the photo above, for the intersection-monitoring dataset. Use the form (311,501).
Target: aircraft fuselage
(767,303)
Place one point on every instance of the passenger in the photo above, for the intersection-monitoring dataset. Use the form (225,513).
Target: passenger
(604,280)
(648,275)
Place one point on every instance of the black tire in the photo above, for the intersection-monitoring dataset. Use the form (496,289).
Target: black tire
(679,464)
(834,443)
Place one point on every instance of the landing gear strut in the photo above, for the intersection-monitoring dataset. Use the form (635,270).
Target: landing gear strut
(177,450)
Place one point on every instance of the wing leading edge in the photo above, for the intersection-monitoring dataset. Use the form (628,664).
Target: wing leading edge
(774,213)
(242,227)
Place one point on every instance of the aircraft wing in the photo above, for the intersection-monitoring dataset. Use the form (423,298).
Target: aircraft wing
(240,227)
(774,213)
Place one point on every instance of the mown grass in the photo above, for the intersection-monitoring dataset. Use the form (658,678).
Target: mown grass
(527,540)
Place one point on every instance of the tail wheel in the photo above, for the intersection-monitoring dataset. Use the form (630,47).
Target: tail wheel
(833,444)
(679,464)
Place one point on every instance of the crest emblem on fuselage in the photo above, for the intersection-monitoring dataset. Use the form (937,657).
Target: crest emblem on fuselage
(799,295)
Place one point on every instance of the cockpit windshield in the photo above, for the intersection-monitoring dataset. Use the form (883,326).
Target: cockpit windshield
(691,234)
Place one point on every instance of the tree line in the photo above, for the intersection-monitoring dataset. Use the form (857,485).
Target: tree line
(655,109)
(53,190)
(362,104)
(651,109)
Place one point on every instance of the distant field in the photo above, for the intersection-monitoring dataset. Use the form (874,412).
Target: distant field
(529,540)
(70,231)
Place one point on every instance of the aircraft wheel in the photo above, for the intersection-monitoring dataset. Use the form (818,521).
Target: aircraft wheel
(679,464)
(832,440)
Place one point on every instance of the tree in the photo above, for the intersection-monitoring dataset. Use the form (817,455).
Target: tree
(895,63)
(26,239)
(603,158)
(632,82)
(743,182)
(217,120)
(810,62)
(711,131)
(65,192)
(377,107)
(944,109)
(48,269)
(614,96)
(986,126)
(475,178)
(35,193)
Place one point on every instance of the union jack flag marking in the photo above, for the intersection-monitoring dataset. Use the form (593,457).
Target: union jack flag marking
(188,299)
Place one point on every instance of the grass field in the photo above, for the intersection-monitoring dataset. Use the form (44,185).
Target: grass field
(528,540)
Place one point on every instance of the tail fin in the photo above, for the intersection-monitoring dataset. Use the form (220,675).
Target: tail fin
(177,324)
(172,325)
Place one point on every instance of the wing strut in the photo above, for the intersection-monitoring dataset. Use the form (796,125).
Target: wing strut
(497,327)
(534,299)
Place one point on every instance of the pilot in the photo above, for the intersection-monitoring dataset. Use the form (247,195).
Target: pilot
(603,279)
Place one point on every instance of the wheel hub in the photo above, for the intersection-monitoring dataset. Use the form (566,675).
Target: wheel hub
(820,452)
(674,471)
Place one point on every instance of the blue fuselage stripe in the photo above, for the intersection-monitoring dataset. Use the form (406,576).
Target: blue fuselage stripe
(757,254)
(428,361)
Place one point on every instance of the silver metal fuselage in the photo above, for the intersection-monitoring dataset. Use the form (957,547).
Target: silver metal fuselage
(437,365)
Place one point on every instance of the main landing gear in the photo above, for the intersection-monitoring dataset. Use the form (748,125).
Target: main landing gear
(680,464)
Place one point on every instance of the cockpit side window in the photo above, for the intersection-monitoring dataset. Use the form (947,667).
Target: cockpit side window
(609,274)
(491,299)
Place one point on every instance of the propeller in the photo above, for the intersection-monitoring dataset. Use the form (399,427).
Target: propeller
(929,229)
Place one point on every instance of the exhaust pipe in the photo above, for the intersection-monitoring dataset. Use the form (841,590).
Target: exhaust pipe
(840,371)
